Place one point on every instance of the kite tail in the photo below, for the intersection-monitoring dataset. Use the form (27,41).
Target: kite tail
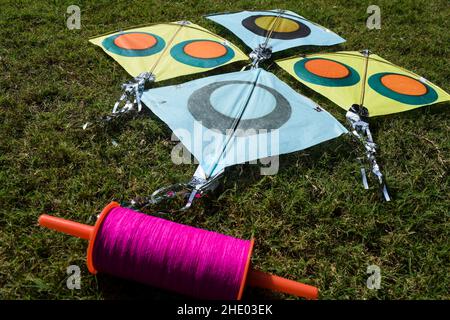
(357,117)
(196,188)
(130,100)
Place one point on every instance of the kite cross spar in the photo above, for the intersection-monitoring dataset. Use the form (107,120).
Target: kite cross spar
(365,85)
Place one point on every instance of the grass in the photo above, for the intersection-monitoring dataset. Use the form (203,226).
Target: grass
(312,221)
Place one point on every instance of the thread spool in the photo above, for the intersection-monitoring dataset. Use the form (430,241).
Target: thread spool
(172,256)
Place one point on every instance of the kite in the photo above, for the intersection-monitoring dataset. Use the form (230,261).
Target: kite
(163,51)
(271,31)
(365,85)
(234,118)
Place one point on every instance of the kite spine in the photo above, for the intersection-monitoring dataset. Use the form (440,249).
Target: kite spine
(366,54)
(235,124)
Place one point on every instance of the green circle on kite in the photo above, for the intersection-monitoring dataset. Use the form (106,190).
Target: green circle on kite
(351,77)
(375,82)
(220,55)
(156,46)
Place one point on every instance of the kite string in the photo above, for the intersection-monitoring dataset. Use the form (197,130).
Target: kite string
(366,67)
(169,255)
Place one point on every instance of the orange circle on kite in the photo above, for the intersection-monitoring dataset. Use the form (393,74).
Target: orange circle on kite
(327,69)
(404,85)
(277,24)
(135,41)
(205,49)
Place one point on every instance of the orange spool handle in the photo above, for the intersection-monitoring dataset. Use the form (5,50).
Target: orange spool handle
(255,278)
(72,228)
(264,280)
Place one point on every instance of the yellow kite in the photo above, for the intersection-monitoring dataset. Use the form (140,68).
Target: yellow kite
(365,85)
(169,50)
(352,77)
(162,51)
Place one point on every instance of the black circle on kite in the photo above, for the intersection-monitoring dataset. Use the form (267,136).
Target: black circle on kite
(402,88)
(201,108)
(134,44)
(202,53)
(326,72)
(280,27)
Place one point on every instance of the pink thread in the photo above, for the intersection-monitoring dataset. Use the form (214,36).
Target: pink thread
(169,255)
(170,194)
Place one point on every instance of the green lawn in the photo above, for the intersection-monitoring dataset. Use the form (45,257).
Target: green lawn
(313,221)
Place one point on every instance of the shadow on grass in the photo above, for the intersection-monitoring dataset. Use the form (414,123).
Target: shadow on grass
(114,288)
